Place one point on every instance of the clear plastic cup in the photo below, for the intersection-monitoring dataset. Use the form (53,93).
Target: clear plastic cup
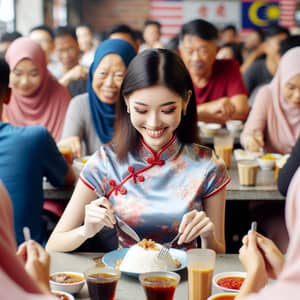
(200,264)
(223,145)
(247,170)
(67,154)
(159,285)
(102,282)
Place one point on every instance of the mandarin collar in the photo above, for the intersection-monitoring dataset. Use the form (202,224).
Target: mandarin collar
(170,149)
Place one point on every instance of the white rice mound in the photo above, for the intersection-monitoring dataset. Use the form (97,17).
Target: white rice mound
(141,260)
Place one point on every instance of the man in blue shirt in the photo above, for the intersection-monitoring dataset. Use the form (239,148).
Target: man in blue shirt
(27,154)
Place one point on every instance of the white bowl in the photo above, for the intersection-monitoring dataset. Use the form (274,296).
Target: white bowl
(210,129)
(62,295)
(71,288)
(234,125)
(219,276)
(268,163)
(223,296)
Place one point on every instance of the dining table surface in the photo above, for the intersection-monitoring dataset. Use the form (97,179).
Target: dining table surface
(129,288)
(265,188)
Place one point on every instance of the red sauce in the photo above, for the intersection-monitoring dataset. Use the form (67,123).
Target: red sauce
(232,282)
(228,297)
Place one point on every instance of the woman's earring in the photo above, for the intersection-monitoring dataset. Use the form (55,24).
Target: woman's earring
(128,109)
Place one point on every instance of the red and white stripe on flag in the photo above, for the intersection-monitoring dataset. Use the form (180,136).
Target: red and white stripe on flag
(287,11)
(169,14)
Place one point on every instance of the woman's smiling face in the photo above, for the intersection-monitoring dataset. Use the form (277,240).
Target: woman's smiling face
(291,90)
(108,77)
(155,112)
(25,78)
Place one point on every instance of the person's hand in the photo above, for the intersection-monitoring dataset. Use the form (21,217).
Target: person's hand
(251,257)
(255,142)
(273,257)
(72,142)
(36,262)
(77,72)
(253,261)
(98,214)
(223,108)
(195,223)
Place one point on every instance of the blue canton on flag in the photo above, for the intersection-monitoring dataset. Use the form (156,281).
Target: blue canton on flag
(259,14)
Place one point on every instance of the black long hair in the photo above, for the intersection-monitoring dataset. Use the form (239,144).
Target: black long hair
(149,68)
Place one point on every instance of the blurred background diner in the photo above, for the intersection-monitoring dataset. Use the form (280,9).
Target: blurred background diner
(235,51)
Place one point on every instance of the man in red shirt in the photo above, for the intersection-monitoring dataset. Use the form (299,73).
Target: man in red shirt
(218,84)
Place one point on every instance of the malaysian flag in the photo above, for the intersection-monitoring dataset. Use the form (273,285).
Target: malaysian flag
(170,14)
(248,15)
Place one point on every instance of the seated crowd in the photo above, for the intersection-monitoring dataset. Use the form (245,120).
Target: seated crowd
(132,104)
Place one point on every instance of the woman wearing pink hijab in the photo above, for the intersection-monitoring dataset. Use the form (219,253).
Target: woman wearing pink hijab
(37,97)
(274,121)
(262,259)
(24,275)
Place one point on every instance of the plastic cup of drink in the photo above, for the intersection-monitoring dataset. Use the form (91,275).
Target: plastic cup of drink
(223,145)
(67,154)
(200,264)
(102,282)
(159,285)
(247,170)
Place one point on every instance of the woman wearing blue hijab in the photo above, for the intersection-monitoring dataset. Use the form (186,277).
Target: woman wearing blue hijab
(90,117)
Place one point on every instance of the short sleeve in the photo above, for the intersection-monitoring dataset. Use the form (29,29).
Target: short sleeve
(236,84)
(94,174)
(74,124)
(217,177)
(257,119)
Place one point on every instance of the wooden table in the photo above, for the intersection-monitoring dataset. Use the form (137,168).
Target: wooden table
(265,189)
(129,288)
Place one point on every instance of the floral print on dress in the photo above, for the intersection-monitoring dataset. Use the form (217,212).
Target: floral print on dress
(175,180)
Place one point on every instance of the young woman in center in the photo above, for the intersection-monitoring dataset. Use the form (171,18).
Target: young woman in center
(154,175)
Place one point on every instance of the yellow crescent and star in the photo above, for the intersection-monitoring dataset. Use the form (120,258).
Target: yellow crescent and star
(272,13)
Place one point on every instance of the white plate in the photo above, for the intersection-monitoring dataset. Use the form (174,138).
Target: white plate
(110,259)
(227,274)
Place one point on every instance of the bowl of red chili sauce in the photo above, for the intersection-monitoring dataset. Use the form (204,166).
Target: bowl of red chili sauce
(229,281)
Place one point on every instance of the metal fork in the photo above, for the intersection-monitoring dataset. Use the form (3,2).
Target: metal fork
(166,246)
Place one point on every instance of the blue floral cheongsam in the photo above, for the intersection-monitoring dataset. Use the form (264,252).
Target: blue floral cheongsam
(152,191)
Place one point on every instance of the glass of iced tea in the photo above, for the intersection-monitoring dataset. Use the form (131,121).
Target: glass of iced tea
(102,282)
(201,264)
(223,145)
(159,285)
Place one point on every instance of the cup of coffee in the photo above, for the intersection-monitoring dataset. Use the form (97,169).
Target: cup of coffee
(159,285)
(247,170)
(102,282)
(200,264)
(223,145)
